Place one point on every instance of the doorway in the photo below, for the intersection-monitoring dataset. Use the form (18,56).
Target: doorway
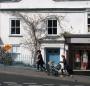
(53,54)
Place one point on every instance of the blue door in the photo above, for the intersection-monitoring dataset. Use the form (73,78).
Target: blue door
(53,54)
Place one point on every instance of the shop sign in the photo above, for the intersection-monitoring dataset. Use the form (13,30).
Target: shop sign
(80,40)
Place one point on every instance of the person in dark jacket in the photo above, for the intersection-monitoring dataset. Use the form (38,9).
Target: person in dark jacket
(66,66)
(40,61)
(64,63)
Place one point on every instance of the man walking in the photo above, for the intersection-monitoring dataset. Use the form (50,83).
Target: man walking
(40,61)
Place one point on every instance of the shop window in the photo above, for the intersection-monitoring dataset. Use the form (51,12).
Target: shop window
(81,60)
(77,60)
(84,63)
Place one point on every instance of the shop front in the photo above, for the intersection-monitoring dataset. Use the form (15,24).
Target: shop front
(78,52)
(79,56)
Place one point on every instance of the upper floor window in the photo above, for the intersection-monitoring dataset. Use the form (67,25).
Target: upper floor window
(15,26)
(88,24)
(52,26)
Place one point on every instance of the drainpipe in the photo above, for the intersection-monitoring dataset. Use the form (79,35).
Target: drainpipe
(64,43)
(0,23)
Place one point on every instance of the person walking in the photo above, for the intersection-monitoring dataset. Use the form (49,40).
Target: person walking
(64,63)
(67,67)
(40,61)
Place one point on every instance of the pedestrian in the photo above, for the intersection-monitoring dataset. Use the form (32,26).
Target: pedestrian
(40,61)
(67,67)
(64,64)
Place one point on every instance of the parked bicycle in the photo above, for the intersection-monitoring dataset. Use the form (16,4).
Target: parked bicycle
(53,68)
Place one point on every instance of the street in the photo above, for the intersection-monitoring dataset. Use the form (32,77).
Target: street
(20,80)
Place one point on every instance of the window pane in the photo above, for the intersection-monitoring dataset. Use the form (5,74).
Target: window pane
(17,30)
(12,30)
(12,23)
(88,28)
(49,30)
(88,20)
(49,23)
(77,60)
(52,27)
(54,23)
(14,49)
(18,23)
(54,30)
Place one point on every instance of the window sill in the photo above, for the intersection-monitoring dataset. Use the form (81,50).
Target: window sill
(15,35)
(52,35)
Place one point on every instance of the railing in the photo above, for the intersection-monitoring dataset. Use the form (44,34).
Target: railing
(22,59)
(15,58)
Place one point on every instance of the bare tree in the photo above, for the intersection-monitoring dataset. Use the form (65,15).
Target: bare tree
(36,29)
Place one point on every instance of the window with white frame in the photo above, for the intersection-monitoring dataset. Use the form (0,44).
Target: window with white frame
(16,49)
(88,24)
(52,26)
(15,26)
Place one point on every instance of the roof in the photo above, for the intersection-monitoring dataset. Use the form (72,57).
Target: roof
(77,36)
(34,4)
(52,39)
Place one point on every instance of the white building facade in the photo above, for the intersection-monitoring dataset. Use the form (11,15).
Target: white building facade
(74,17)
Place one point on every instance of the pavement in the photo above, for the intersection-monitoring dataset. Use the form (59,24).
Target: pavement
(32,72)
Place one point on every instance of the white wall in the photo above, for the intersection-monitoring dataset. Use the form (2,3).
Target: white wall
(74,20)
